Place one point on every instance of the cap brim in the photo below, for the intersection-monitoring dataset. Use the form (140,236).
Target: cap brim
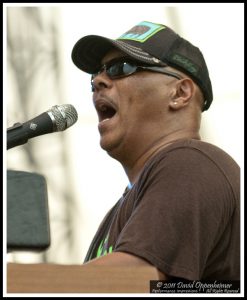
(89,51)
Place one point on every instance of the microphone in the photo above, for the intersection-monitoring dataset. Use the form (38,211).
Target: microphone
(58,118)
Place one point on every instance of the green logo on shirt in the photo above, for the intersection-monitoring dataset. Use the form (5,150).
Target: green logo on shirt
(102,250)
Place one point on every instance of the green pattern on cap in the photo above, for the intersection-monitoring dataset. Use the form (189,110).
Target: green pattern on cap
(185,63)
(141,32)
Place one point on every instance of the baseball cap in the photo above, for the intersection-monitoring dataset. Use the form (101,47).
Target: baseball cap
(150,43)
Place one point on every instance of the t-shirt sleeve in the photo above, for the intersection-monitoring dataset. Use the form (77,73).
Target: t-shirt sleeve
(178,215)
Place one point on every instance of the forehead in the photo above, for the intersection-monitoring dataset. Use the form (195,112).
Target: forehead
(113,53)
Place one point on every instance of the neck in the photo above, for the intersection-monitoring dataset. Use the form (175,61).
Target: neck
(134,168)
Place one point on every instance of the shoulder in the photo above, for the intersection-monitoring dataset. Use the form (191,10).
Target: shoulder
(189,151)
(193,163)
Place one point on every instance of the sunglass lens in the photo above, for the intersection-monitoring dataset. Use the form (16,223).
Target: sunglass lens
(128,68)
(120,69)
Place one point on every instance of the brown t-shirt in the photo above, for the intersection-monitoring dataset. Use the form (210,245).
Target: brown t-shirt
(182,215)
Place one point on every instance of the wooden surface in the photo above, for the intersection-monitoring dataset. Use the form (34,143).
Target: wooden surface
(55,278)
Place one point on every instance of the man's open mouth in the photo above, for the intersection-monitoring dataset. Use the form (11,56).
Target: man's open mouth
(105,110)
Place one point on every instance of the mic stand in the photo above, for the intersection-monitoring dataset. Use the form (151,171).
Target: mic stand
(12,136)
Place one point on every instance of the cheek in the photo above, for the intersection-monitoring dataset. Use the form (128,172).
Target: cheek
(146,98)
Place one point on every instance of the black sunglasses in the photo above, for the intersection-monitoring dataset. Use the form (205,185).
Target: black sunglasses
(118,68)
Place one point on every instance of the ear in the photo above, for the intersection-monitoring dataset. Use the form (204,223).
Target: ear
(183,92)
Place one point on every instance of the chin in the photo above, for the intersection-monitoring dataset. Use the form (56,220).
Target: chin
(106,144)
(112,148)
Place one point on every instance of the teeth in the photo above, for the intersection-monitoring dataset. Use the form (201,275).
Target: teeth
(105,120)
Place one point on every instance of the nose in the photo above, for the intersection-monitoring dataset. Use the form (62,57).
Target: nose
(100,81)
